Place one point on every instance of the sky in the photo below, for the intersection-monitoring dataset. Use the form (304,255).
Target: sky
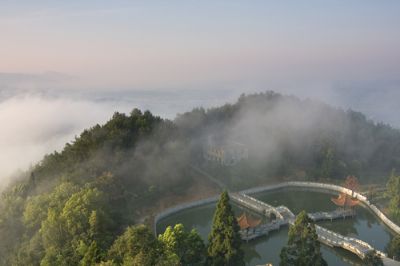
(196,44)
(67,65)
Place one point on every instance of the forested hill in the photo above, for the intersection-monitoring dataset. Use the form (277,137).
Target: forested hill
(83,197)
(287,136)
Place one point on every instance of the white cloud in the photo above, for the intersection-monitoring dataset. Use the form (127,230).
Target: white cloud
(34,126)
(35,122)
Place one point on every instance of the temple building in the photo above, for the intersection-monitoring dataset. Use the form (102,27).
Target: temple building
(344,200)
(247,222)
(226,153)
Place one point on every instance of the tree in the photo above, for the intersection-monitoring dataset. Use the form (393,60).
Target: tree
(372,259)
(303,248)
(393,193)
(56,240)
(91,255)
(76,231)
(351,183)
(188,246)
(328,161)
(393,248)
(136,246)
(68,208)
(371,192)
(224,246)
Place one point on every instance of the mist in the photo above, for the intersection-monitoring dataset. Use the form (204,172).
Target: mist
(287,126)
(34,126)
(37,121)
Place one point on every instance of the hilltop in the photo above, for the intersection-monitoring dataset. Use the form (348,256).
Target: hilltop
(117,174)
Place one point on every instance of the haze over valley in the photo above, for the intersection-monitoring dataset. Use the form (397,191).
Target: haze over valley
(173,133)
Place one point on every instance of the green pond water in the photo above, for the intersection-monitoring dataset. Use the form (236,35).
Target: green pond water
(364,226)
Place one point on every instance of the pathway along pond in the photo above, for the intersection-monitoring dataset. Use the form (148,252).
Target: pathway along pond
(364,226)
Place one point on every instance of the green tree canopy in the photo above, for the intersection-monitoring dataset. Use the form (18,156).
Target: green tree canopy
(372,259)
(188,246)
(137,245)
(224,246)
(393,193)
(393,248)
(303,248)
(71,206)
(77,229)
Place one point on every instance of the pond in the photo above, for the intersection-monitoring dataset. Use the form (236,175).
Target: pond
(364,226)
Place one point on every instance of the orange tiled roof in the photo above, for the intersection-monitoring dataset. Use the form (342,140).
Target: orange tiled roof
(245,221)
(345,200)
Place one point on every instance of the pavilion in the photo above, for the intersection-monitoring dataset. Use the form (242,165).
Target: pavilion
(344,200)
(246,222)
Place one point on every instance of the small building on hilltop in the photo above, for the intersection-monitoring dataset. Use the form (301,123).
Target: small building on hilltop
(225,153)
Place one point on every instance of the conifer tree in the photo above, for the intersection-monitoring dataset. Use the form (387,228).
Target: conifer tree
(372,259)
(303,248)
(224,246)
(393,193)
(393,248)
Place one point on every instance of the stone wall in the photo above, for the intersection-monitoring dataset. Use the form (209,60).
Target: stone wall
(181,207)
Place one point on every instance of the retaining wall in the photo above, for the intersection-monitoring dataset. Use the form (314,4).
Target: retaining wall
(329,187)
(182,207)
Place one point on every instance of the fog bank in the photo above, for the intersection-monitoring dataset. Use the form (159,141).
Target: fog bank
(34,126)
(39,121)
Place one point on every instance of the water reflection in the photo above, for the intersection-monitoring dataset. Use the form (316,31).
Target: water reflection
(364,226)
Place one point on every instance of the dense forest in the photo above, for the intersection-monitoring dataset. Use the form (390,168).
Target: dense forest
(84,197)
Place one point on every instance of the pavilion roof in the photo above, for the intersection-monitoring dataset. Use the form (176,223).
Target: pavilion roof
(345,200)
(246,221)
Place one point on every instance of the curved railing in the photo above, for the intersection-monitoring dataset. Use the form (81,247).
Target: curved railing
(352,244)
(181,207)
(330,187)
(312,185)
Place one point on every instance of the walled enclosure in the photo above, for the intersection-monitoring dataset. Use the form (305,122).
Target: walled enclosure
(313,186)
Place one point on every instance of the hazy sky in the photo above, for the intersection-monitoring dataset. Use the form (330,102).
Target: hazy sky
(196,44)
